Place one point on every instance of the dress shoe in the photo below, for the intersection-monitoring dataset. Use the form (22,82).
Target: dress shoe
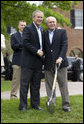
(23,109)
(13,97)
(67,109)
(37,107)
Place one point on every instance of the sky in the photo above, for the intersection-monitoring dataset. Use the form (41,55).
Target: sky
(36,2)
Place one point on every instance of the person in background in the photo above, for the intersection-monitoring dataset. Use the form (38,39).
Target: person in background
(17,46)
(76,68)
(55,48)
(6,66)
(3,46)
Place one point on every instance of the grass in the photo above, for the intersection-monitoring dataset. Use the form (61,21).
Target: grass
(11,114)
(6,85)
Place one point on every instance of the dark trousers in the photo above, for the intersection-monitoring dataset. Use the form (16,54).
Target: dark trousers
(76,75)
(32,77)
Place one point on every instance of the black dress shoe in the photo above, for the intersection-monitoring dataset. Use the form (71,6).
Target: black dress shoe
(67,109)
(37,107)
(23,109)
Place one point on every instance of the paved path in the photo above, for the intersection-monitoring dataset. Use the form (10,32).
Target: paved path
(75,88)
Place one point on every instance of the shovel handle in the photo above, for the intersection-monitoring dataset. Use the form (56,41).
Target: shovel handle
(55,76)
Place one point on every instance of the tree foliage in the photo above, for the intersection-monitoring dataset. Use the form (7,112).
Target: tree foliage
(13,11)
(64,5)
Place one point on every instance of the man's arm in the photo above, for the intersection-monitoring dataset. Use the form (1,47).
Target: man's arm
(14,44)
(64,46)
(27,42)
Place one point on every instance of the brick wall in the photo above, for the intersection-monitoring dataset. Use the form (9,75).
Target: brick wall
(75,36)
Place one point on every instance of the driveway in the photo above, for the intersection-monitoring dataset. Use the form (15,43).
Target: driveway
(75,88)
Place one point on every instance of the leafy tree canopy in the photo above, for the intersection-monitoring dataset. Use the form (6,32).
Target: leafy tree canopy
(13,11)
(65,5)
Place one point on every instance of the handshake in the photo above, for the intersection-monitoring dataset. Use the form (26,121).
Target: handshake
(40,53)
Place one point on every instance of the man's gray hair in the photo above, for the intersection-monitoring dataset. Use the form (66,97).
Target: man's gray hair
(35,12)
(50,17)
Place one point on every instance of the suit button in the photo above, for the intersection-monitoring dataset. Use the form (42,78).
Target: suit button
(51,51)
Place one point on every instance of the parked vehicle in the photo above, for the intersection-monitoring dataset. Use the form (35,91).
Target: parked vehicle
(70,71)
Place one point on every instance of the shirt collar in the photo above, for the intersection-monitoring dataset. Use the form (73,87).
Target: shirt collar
(51,31)
(20,32)
(37,27)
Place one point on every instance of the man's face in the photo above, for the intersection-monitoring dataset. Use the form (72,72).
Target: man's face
(21,26)
(51,24)
(38,18)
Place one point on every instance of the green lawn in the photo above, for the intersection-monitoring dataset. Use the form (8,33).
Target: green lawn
(11,114)
(5,85)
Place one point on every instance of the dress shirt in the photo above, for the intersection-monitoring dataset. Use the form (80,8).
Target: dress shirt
(20,33)
(39,34)
(51,33)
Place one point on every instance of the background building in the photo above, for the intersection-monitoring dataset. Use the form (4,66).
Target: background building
(75,33)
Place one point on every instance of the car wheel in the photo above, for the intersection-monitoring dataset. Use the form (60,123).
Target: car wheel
(81,76)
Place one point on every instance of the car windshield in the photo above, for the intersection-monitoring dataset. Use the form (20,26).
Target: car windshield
(70,60)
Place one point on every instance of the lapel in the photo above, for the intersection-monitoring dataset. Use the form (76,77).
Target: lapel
(47,38)
(41,28)
(18,37)
(54,37)
(35,33)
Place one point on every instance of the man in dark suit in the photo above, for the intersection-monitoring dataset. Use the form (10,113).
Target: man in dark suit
(55,47)
(76,68)
(16,45)
(8,69)
(31,66)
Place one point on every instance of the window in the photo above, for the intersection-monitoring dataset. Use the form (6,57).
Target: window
(76,51)
(77,18)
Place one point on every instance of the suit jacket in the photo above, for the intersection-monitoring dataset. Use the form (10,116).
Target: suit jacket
(57,49)
(31,44)
(76,65)
(16,45)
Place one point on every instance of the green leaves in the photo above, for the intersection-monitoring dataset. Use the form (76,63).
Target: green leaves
(64,5)
(13,11)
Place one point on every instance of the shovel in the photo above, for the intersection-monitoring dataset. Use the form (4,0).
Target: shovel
(50,103)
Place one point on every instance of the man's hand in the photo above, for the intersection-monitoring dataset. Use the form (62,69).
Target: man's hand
(59,28)
(40,52)
(59,61)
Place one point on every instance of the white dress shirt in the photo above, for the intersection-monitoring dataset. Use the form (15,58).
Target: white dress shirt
(39,34)
(20,33)
(51,33)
